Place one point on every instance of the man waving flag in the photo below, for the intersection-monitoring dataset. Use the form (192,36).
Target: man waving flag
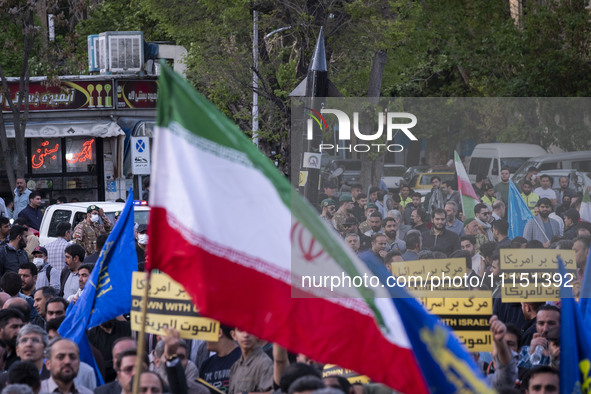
(257,266)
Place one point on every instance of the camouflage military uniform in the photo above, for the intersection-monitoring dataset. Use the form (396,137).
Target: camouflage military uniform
(364,227)
(86,234)
(339,220)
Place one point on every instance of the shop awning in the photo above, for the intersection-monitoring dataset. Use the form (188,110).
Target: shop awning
(69,128)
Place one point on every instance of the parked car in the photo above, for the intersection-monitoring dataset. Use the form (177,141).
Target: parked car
(488,159)
(421,183)
(560,161)
(412,171)
(392,175)
(76,212)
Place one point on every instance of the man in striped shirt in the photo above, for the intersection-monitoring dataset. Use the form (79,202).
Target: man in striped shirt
(56,250)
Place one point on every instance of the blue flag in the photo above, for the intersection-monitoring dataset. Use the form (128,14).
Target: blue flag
(584,304)
(444,362)
(518,212)
(575,366)
(107,293)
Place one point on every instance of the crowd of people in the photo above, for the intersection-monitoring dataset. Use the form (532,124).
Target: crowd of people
(433,226)
(38,283)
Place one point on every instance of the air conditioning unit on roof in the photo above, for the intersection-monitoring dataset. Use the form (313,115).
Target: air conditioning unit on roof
(93,53)
(121,52)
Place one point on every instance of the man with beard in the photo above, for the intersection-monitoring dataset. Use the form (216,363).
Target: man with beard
(11,321)
(452,223)
(369,209)
(418,218)
(571,219)
(393,244)
(4,230)
(21,196)
(545,190)
(483,218)
(375,256)
(375,223)
(401,228)
(32,213)
(541,227)
(439,238)
(344,211)
(502,188)
(328,209)
(468,243)
(435,198)
(531,199)
(360,206)
(40,298)
(564,188)
(415,203)
(69,276)
(13,254)
(63,363)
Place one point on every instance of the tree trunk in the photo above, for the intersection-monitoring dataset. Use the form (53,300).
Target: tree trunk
(371,169)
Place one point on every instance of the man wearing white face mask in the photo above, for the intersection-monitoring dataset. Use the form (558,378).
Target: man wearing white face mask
(141,237)
(46,275)
(88,230)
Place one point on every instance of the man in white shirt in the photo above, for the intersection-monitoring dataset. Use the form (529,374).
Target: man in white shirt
(545,189)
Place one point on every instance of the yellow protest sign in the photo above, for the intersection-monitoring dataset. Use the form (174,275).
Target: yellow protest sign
(532,274)
(431,278)
(168,306)
(467,316)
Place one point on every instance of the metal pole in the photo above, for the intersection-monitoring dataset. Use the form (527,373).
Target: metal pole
(255,80)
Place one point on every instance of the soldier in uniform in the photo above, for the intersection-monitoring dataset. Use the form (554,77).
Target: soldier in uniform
(345,210)
(87,231)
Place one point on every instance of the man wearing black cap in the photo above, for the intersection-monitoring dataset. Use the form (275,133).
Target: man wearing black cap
(350,227)
(328,207)
(345,210)
(88,230)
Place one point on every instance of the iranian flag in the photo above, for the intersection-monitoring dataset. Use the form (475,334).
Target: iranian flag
(469,197)
(229,229)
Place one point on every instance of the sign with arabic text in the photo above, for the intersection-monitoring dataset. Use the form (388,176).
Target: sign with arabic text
(68,95)
(532,274)
(431,278)
(137,94)
(168,306)
(467,315)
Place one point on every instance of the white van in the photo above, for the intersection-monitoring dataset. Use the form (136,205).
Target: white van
(580,160)
(488,159)
(76,212)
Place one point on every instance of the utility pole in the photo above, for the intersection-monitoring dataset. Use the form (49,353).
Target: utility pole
(316,91)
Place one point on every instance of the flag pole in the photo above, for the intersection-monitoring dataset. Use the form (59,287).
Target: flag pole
(141,343)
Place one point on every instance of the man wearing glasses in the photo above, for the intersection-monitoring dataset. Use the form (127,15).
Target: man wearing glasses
(350,227)
(483,217)
(328,209)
